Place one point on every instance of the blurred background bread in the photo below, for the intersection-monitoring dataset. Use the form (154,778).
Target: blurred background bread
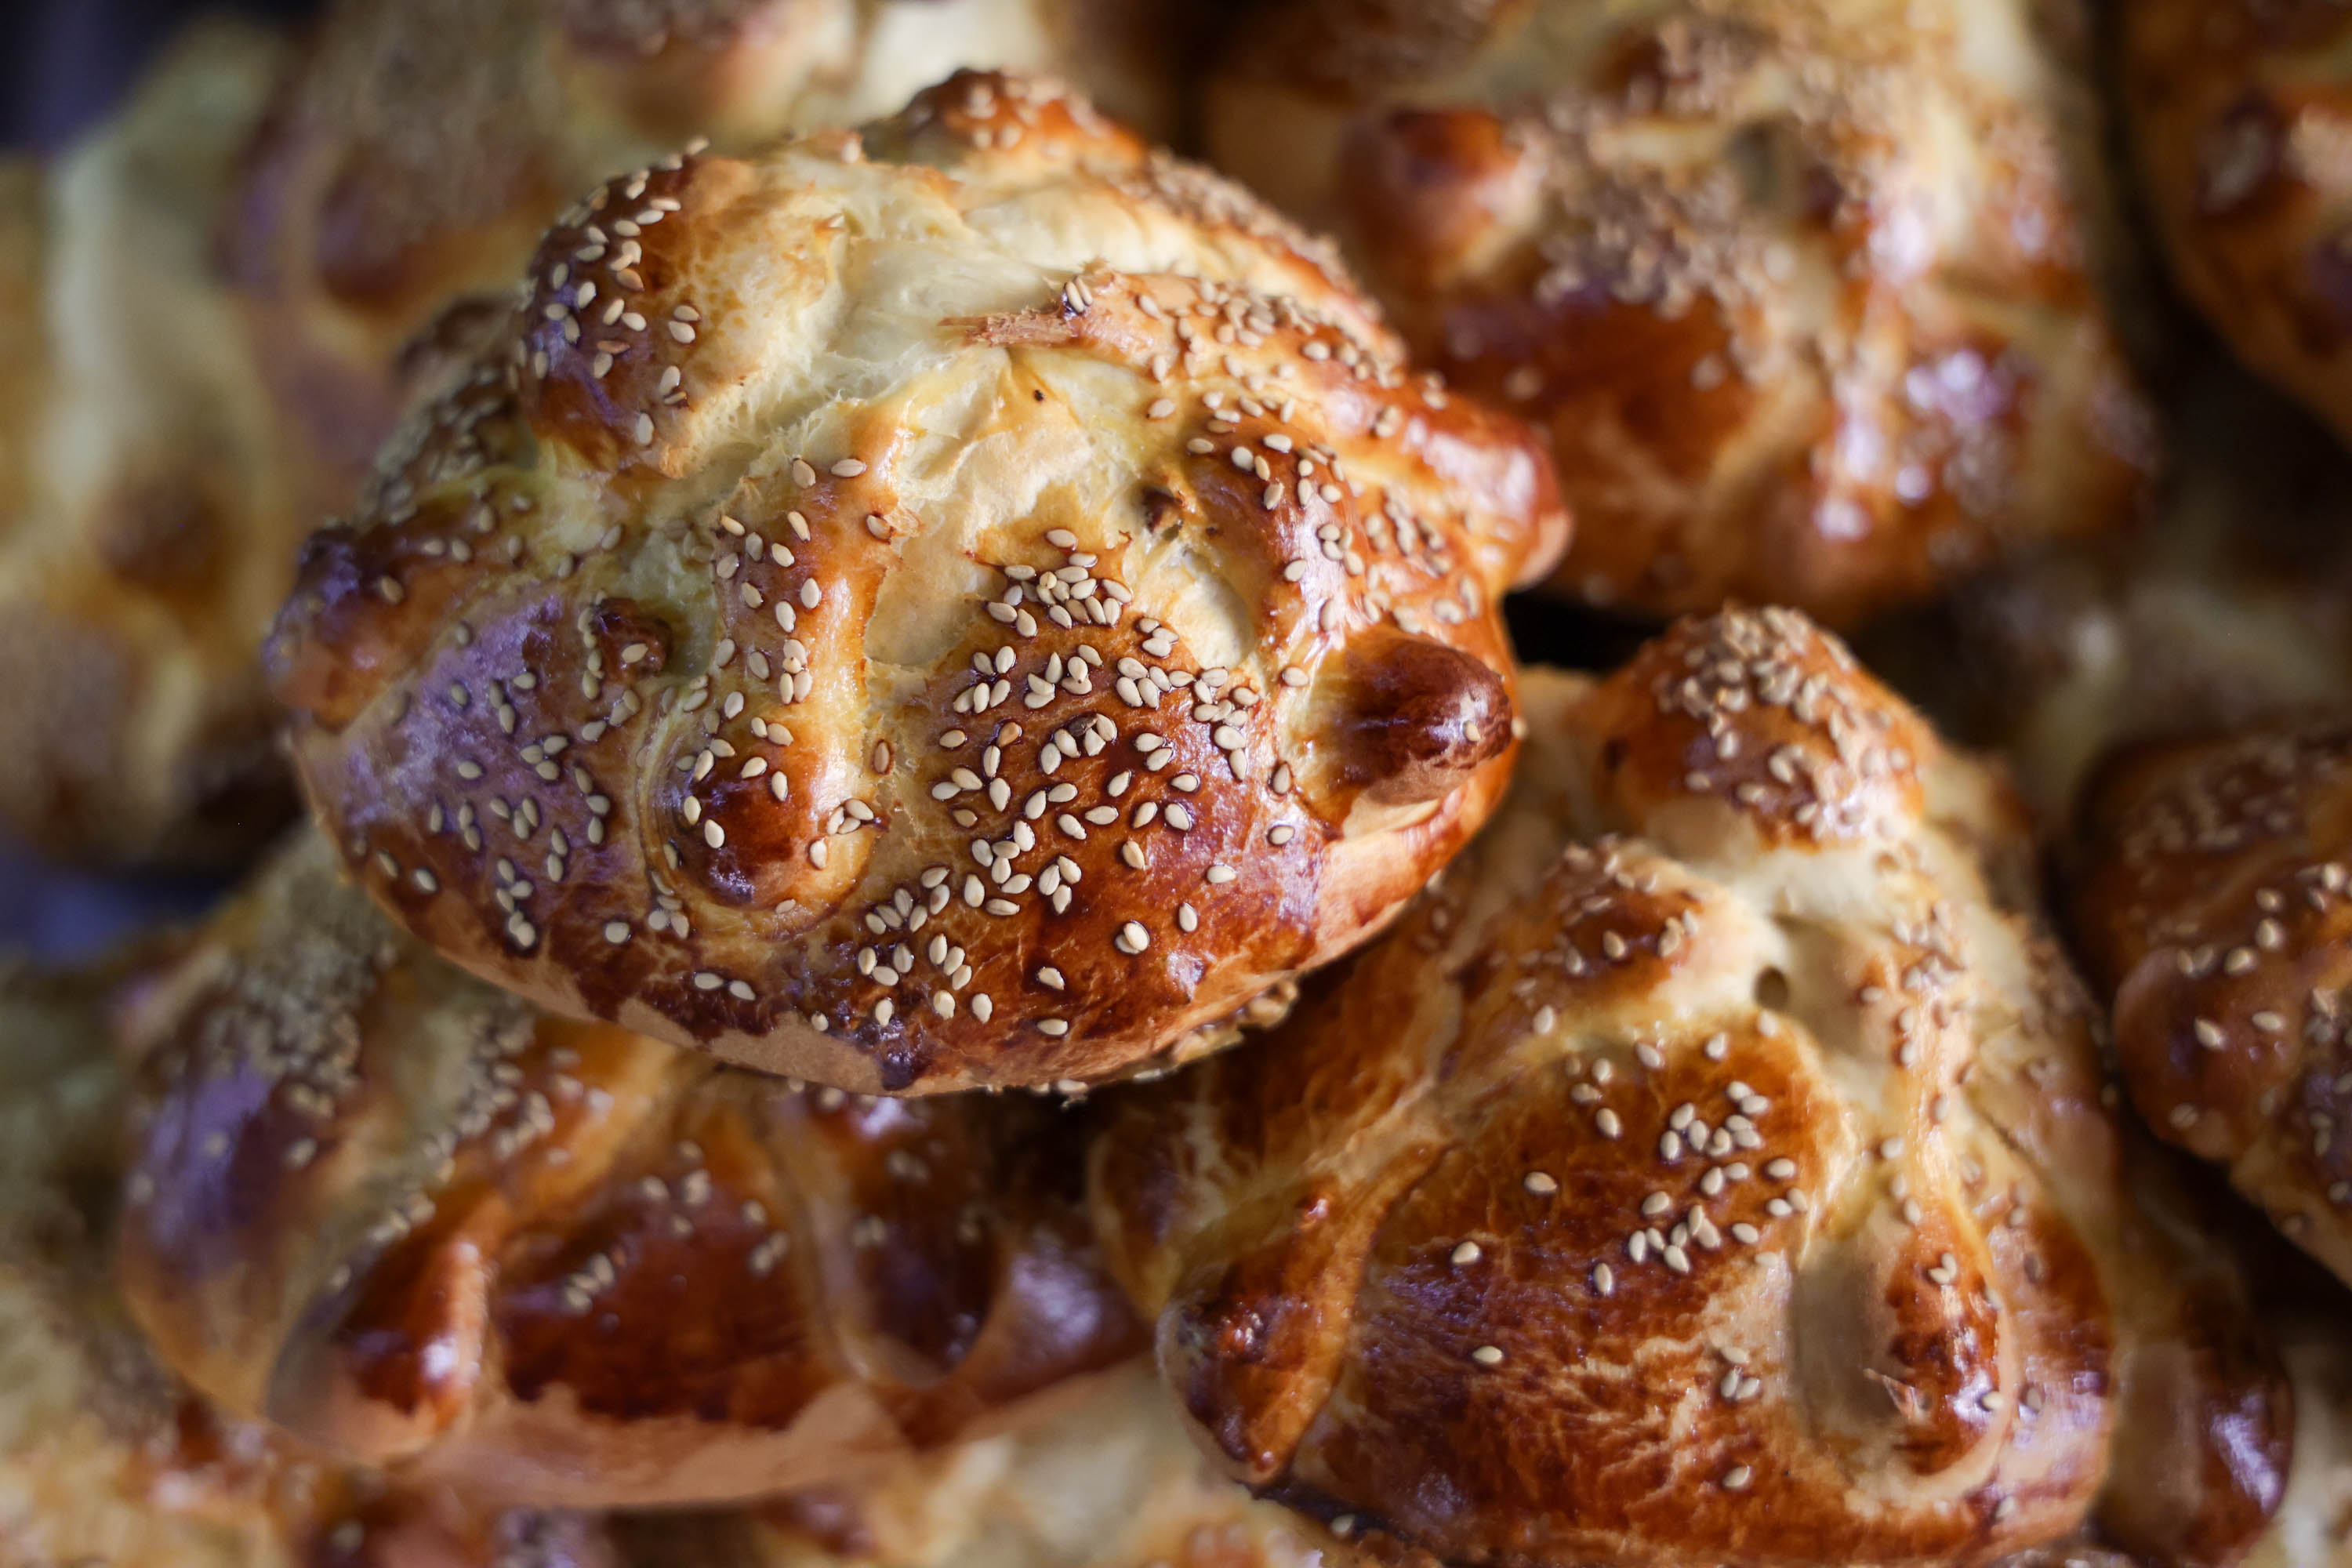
(149,499)
(1804,292)
(232,287)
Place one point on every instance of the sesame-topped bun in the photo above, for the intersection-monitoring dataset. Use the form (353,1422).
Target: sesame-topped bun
(148,510)
(2237,111)
(1112,1482)
(970,602)
(105,1458)
(2215,904)
(421,147)
(1800,288)
(1710,1170)
(410,1219)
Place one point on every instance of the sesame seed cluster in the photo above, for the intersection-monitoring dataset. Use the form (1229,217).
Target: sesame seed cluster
(105,1455)
(969,602)
(2211,898)
(1713,1132)
(567,1265)
(1800,289)
(225,296)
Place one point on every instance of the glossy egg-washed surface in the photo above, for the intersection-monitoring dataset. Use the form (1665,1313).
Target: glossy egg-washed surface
(407,1217)
(969,601)
(2238,111)
(2214,902)
(219,303)
(419,148)
(1798,287)
(106,1458)
(1710,1169)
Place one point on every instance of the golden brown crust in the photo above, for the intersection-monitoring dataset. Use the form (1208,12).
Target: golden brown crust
(1113,1481)
(1711,1169)
(974,602)
(105,1460)
(2239,110)
(148,513)
(421,147)
(2209,1420)
(1798,289)
(409,1219)
(2212,906)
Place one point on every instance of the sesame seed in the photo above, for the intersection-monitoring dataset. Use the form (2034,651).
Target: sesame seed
(1467,1252)
(1487,1355)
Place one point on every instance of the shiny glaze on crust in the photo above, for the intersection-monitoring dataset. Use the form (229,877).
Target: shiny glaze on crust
(418,149)
(106,1458)
(1797,290)
(1119,638)
(1711,1169)
(2212,901)
(2238,111)
(410,1219)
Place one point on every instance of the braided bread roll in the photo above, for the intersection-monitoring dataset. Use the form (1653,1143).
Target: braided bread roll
(2210,903)
(1711,1170)
(412,1221)
(1800,288)
(2238,111)
(420,147)
(149,505)
(105,1458)
(969,601)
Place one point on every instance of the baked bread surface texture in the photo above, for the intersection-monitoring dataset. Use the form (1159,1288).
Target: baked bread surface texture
(149,512)
(1801,291)
(411,1220)
(1111,1481)
(106,1459)
(2238,111)
(411,159)
(1711,1169)
(970,602)
(2210,903)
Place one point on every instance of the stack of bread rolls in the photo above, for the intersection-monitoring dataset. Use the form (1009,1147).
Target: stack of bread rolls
(934,921)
